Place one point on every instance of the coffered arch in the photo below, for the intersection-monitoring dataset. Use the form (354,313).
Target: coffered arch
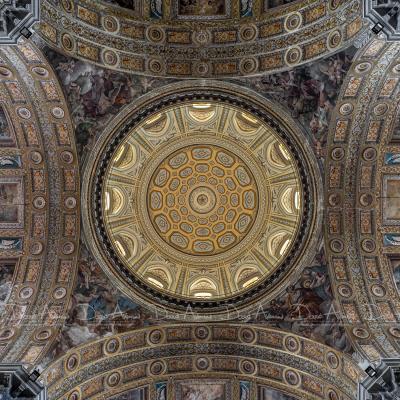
(362,227)
(200,46)
(39,221)
(187,352)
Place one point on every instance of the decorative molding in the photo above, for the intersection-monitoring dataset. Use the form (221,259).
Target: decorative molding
(278,40)
(17,383)
(298,366)
(272,116)
(16,17)
(382,382)
(361,132)
(44,249)
(384,16)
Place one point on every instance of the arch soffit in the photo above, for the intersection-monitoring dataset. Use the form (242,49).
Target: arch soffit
(39,178)
(281,360)
(361,135)
(278,40)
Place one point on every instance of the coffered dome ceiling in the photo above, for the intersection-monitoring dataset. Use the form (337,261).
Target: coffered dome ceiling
(218,205)
(203,200)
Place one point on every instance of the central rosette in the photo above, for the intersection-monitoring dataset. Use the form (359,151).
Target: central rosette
(202,200)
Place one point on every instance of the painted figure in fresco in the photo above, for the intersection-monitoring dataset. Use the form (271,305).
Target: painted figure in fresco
(8,199)
(395,262)
(135,394)
(244,391)
(128,4)
(6,276)
(3,129)
(5,134)
(8,214)
(10,162)
(309,93)
(271,394)
(10,243)
(276,3)
(8,192)
(161,391)
(202,392)
(202,7)
(95,95)
(307,308)
(246,8)
(98,308)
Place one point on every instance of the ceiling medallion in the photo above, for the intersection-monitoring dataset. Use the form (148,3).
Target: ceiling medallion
(199,202)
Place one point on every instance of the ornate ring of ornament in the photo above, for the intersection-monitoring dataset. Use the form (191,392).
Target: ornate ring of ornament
(220,43)
(201,199)
(178,357)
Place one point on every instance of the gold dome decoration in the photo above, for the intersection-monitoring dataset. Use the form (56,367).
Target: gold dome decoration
(202,200)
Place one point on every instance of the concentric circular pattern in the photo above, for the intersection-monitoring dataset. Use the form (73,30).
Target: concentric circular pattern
(200,200)
(201,205)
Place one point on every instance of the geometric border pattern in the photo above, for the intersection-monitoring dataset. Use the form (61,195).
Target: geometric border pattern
(46,264)
(298,366)
(292,35)
(389,23)
(360,131)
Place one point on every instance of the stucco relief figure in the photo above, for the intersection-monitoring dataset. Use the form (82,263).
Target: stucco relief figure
(201,7)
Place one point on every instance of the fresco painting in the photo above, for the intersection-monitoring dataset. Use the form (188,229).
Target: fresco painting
(198,390)
(11,202)
(272,394)
(201,7)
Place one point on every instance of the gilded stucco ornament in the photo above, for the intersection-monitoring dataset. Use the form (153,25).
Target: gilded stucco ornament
(201,198)
(39,209)
(266,42)
(361,197)
(313,371)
